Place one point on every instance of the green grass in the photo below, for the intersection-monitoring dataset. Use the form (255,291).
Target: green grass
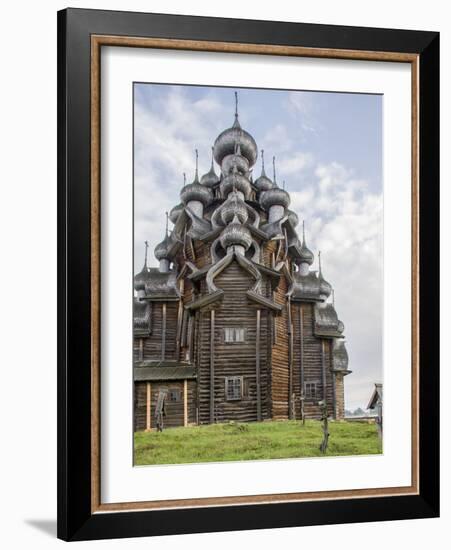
(253,441)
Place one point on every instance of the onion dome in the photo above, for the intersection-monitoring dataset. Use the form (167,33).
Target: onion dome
(235,182)
(306,255)
(236,160)
(263,183)
(228,139)
(195,191)
(293,218)
(235,234)
(161,251)
(210,179)
(141,277)
(232,207)
(325,288)
(274,196)
(339,355)
(174,214)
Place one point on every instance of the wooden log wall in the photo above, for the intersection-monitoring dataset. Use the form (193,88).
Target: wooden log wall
(280,357)
(312,354)
(232,359)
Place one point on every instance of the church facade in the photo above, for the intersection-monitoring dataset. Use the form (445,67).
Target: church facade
(235,324)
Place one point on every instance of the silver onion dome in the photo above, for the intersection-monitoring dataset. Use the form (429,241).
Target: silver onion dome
(263,183)
(325,288)
(235,182)
(306,254)
(339,355)
(235,234)
(293,218)
(234,206)
(195,191)
(210,179)
(236,160)
(174,214)
(141,277)
(228,139)
(274,196)
(161,251)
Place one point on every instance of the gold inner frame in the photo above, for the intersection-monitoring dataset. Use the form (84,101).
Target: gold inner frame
(97,41)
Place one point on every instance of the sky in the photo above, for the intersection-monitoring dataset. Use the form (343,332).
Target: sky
(328,149)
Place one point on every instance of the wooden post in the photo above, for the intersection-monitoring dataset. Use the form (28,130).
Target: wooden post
(141,349)
(334,385)
(257,367)
(301,356)
(148,407)
(185,402)
(212,366)
(163,333)
(290,360)
(323,369)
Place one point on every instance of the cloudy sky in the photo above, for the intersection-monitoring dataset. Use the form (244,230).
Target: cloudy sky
(328,149)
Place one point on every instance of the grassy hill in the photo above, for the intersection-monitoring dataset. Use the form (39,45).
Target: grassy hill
(253,441)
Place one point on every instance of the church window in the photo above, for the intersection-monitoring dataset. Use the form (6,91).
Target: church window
(311,390)
(234,388)
(234,334)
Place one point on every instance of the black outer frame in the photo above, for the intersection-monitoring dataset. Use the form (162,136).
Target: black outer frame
(75,521)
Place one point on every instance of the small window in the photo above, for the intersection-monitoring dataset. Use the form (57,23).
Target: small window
(311,390)
(174,395)
(234,387)
(233,334)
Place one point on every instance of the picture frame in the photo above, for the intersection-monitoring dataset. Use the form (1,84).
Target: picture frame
(81,36)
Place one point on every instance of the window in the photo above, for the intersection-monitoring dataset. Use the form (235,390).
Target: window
(311,390)
(174,395)
(234,386)
(233,335)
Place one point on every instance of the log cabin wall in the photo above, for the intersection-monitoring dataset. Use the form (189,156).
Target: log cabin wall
(234,358)
(279,356)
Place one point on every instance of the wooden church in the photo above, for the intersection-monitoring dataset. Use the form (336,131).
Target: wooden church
(234,324)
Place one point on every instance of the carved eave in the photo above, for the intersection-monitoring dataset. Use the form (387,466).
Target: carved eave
(263,301)
(206,300)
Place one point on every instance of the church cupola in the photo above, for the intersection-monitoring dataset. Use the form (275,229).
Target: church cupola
(235,183)
(175,212)
(195,195)
(226,141)
(141,278)
(306,256)
(325,288)
(275,200)
(162,251)
(263,183)
(293,218)
(236,235)
(210,179)
(236,160)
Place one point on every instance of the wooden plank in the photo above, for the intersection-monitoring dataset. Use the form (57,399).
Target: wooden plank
(323,369)
(163,333)
(185,403)
(212,365)
(257,366)
(148,407)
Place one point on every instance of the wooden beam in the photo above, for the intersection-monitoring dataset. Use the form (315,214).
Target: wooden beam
(290,360)
(185,402)
(148,407)
(301,356)
(141,349)
(163,333)
(212,366)
(257,366)
(334,386)
(323,368)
